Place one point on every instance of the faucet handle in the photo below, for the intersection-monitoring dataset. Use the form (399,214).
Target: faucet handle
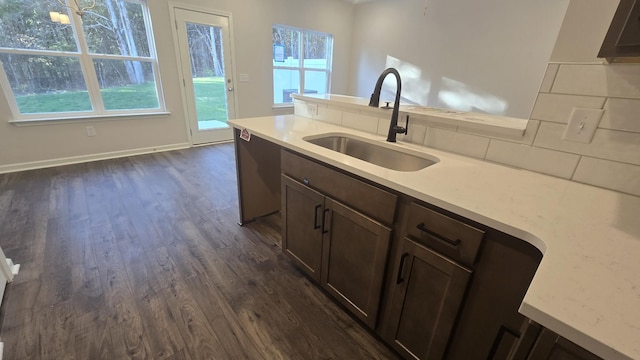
(406,126)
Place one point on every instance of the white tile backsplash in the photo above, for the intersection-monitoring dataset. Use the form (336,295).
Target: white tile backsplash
(329,115)
(383,125)
(606,144)
(611,80)
(558,107)
(549,76)
(360,122)
(417,131)
(300,108)
(609,174)
(611,160)
(621,114)
(532,158)
(461,143)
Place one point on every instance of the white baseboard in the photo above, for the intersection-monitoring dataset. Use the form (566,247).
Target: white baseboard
(15,268)
(87,158)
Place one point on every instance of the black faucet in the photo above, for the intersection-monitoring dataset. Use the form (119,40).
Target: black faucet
(375,102)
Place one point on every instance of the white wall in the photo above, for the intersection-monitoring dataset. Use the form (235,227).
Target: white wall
(575,78)
(252,20)
(486,56)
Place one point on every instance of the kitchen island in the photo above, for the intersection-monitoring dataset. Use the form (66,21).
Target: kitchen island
(587,287)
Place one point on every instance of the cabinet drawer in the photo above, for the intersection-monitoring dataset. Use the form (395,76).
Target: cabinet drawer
(368,199)
(450,237)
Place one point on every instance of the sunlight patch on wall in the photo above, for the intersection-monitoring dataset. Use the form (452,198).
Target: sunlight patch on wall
(415,90)
(456,95)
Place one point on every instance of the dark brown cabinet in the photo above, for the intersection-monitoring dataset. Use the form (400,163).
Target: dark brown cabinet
(302,212)
(455,287)
(539,343)
(354,257)
(339,246)
(425,302)
(432,284)
(623,38)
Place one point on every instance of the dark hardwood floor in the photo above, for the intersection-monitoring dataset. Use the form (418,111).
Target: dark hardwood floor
(141,258)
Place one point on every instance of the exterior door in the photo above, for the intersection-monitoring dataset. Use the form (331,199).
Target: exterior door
(205,61)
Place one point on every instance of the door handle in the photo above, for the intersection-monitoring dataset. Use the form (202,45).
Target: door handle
(324,221)
(230,89)
(316,226)
(400,279)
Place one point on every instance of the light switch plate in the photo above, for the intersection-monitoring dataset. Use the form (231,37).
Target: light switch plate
(582,125)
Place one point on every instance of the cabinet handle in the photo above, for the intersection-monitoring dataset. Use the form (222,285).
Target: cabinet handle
(424,229)
(401,268)
(316,226)
(324,221)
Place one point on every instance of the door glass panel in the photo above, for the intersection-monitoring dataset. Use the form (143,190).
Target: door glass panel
(209,81)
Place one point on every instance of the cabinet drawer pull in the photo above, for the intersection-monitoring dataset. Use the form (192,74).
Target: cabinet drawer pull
(316,226)
(400,279)
(424,229)
(324,221)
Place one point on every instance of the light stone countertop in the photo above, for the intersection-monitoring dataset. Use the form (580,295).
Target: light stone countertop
(587,287)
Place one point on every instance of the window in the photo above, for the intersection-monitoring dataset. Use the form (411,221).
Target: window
(301,60)
(102,63)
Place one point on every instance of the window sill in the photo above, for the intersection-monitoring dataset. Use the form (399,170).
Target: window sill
(83,118)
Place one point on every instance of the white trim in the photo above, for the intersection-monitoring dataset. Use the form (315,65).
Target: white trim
(81,118)
(5,268)
(178,52)
(87,66)
(15,268)
(88,158)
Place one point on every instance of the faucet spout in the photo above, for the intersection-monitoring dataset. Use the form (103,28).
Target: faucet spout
(394,129)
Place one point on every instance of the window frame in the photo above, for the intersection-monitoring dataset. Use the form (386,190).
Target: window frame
(86,61)
(301,68)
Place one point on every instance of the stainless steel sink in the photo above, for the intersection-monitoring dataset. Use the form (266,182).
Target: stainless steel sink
(377,154)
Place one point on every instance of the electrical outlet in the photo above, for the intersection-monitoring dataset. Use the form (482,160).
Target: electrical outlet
(91,131)
(582,125)
(312,109)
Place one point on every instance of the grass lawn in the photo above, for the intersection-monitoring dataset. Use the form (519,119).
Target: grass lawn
(210,99)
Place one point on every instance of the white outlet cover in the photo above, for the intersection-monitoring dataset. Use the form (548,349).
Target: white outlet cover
(91,131)
(312,109)
(582,125)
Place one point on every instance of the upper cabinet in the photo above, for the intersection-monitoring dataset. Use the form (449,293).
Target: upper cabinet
(623,38)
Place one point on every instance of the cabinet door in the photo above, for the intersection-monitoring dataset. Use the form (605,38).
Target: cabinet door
(354,258)
(302,214)
(425,302)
